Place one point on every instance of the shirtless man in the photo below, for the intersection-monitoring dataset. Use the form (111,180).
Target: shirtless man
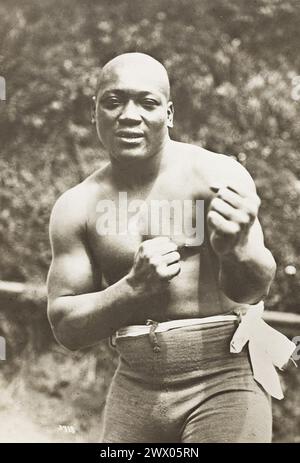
(180,384)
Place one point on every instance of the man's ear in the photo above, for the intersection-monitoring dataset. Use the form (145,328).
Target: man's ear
(93,110)
(170,113)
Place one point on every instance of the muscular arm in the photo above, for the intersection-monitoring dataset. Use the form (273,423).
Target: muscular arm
(246,274)
(80,313)
(247,267)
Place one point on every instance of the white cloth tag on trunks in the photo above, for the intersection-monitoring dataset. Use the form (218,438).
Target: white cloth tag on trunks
(267,348)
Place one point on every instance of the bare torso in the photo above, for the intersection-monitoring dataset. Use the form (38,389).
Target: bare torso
(187,174)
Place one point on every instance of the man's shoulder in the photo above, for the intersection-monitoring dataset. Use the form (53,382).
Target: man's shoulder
(198,154)
(71,206)
(79,194)
(214,168)
(67,212)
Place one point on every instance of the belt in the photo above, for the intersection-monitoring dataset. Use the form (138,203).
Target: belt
(268,348)
(137,330)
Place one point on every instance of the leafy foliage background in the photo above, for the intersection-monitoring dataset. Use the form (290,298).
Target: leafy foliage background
(233,67)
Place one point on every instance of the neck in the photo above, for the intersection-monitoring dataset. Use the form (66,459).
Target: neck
(138,172)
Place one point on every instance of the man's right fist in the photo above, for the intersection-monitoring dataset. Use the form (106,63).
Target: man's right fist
(156,262)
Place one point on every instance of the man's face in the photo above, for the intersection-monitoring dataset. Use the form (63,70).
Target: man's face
(132,113)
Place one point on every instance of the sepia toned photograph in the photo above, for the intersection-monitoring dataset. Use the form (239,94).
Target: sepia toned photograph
(149,223)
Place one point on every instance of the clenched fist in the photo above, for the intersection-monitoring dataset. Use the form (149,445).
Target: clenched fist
(231,214)
(156,262)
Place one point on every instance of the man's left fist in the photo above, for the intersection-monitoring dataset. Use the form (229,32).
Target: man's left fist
(230,216)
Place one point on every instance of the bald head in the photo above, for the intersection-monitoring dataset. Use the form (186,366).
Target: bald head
(142,67)
(132,110)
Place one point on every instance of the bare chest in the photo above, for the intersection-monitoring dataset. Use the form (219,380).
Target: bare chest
(118,223)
